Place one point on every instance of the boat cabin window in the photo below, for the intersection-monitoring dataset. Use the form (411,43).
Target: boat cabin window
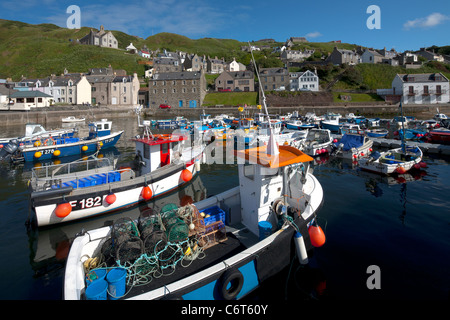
(146,151)
(106,126)
(267,172)
(164,147)
(249,171)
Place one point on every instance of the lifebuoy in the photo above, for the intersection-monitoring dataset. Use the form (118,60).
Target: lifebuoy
(230,284)
(52,142)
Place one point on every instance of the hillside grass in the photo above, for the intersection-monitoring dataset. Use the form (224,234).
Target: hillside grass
(230,98)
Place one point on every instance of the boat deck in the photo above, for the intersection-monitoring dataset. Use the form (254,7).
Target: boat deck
(238,239)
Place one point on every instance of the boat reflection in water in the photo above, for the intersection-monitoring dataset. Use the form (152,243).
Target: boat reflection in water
(50,246)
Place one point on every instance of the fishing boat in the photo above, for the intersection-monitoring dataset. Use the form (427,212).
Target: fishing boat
(439,116)
(411,134)
(352,146)
(352,118)
(84,189)
(48,147)
(296,124)
(33,131)
(350,128)
(397,160)
(439,135)
(373,122)
(331,122)
(171,123)
(71,119)
(377,132)
(317,141)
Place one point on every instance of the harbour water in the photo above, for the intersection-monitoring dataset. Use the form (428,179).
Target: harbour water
(397,227)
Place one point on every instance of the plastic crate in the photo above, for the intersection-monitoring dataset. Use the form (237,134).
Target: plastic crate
(215,214)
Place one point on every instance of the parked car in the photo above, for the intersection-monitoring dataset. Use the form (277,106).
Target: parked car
(164,106)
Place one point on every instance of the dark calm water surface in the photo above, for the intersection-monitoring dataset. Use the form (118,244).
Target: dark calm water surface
(401,226)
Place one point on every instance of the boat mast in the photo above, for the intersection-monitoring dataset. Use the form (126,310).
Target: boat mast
(403,128)
(272,148)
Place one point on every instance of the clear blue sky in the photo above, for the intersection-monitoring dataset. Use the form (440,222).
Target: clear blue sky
(405,25)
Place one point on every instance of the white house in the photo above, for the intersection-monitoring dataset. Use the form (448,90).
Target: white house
(27,100)
(423,88)
(304,81)
(235,66)
(68,88)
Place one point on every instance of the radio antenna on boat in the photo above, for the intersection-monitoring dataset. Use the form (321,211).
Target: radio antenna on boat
(272,148)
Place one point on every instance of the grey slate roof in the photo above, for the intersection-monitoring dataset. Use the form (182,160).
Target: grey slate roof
(30,94)
(423,77)
(184,75)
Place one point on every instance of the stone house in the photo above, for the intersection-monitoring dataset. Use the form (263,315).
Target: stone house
(341,56)
(214,65)
(235,81)
(167,62)
(194,62)
(296,55)
(113,87)
(177,89)
(371,56)
(274,79)
(101,39)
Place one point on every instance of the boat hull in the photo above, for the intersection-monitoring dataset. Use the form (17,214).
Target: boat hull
(70,149)
(387,166)
(89,202)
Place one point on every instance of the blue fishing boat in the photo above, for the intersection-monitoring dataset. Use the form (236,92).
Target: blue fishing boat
(377,133)
(99,138)
(331,122)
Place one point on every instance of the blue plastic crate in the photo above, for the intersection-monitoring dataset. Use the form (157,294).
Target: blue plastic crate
(215,214)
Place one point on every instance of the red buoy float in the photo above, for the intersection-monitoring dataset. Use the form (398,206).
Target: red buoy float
(110,198)
(316,235)
(186,175)
(63,210)
(146,193)
(422,164)
(400,170)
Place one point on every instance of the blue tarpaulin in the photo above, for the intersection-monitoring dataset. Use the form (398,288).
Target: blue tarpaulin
(350,141)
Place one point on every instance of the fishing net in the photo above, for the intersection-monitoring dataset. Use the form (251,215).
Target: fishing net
(158,242)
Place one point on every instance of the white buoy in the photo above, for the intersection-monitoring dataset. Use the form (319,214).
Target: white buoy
(300,248)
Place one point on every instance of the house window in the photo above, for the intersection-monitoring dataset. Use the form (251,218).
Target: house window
(173,82)
(63,91)
(438,89)
(70,91)
(115,88)
(184,82)
(164,83)
(164,90)
(30,100)
(154,83)
(174,90)
(124,89)
(193,90)
(124,99)
(425,89)
(20,100)
(39,100)
(411,89)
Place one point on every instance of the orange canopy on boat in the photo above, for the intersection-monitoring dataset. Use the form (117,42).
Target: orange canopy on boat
(287,155)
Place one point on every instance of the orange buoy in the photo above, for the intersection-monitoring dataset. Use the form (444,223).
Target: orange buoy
(37,154)
(186,175)
(84,148)
(400,170)
(146,193)
(316,235)
(110,198)
(63,209)
(57,153)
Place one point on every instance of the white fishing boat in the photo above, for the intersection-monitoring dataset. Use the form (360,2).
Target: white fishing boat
(84,189)
(397,160)
(317,141)
(70,119)
(352,146)
(34,131)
